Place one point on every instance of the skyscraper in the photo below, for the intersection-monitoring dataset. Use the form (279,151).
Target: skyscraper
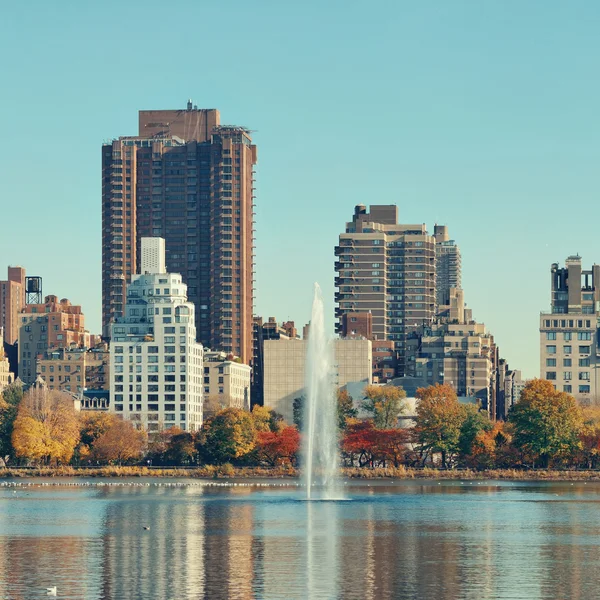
(190,180)
(387,269)
(12,300)
(448,265)
(569,355)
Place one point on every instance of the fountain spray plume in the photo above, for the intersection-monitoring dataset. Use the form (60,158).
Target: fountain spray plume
(320,439)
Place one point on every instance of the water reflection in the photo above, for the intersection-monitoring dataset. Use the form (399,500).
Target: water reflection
(401,541)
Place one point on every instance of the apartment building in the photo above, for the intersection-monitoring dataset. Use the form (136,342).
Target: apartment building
(448,270)
(190,180)
(74,369)
(569,352)
(156,370)
(387,269)
(6,377)
(226,380)
(12,301)
(51,325)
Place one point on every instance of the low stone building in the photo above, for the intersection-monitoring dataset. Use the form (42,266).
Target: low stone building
(226,380)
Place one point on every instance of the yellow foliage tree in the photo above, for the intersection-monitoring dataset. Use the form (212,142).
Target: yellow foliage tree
(120,443)
(47,427)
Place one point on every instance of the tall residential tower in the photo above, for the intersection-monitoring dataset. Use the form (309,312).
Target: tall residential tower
(190,180)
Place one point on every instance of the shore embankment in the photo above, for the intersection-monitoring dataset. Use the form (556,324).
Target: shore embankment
(228,471)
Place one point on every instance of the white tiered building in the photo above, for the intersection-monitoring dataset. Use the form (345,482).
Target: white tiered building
(156,364)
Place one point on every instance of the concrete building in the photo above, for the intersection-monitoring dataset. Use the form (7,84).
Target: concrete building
(457,350)
(190,180)
(448,269)
(155,360)
(389,270)
(569,352)
(153,255)
(265,330)
(284,362)
(51,325)
(12,301)
(6,377)
(74,369)
(226,380)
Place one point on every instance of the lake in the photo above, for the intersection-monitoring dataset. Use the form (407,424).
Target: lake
(406,539)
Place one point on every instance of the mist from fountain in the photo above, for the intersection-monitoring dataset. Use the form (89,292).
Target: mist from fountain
(320,450)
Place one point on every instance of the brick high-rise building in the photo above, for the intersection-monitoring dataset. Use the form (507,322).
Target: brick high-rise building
(190,180)
(569,346)
(387,269)
(12,300)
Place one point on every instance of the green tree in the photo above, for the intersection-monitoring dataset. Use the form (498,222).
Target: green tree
(385,403)
(547,423)
(474,421)
(440,419)
(228,436)
(298,408)
(345,409)
(9,405)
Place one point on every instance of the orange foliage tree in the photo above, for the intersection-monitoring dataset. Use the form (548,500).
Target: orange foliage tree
(278,447)
(120,443)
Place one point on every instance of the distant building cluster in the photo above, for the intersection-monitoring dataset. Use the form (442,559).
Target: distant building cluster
(179,332)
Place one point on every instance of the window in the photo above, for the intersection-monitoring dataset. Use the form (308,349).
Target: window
(550,362)
(584,376)
(584,362)
(550,349)
(550,375)
(567,336)
(550,335)
(568,375)
(584,349)
(584,336)
(567,388)
(567,349)
(584,389)
(567,362)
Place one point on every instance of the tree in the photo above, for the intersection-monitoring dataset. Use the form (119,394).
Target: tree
(359,443)
(121,443)
(266,419)
(547,422)
(9,404)
(298,408)
(589,437)
(385,403)
(172,446)
(92,425)
(474,421)
(345,408)
(439,421)
(492,448)
(214,404)
(229,435)
(47,427)
(278,447)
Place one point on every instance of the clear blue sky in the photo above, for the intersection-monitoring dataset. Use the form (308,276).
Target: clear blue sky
(476,114)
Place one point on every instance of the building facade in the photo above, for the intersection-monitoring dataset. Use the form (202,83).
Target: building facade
(448,269)
(155,360)
(6,377)
(12,301)
(284,363)
(190,180)
(226,380)
(389,270)
(569,352)
(74,369)
(51,325)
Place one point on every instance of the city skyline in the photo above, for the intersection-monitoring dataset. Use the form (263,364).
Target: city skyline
(492,151)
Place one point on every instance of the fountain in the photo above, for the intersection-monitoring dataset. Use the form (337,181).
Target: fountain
(320,452)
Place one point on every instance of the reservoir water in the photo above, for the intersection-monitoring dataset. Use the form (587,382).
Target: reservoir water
(406,540)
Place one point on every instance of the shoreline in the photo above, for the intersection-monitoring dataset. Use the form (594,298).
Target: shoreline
(227,472)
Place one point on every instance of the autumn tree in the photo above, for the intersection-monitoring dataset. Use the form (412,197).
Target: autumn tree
(120,443)
(214,404)
(278,447)
(10,398)
(492,447)
(345,408)
(266,419)
(589,436)
(439,421)
(547,423)
(228,436)
(385,403)
(172,446)
(47,427)
(474,422)
(358,443)
(92,425)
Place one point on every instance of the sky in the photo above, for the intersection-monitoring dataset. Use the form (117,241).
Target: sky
(476,114)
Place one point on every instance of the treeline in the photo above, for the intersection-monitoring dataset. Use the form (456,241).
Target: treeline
(545,429)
